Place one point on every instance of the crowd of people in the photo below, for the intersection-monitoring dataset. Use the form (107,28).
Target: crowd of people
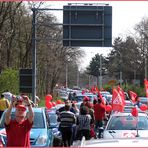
(87,121)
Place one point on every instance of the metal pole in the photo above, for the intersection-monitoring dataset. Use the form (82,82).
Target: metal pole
(145,66)
(78,78)
(121,78)
(66,75)
(34,56)
(89,81)
(100,72)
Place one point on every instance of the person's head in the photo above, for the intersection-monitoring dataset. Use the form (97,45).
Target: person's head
(67,101)
(89,105)
(99,101)
(67,107)
(20,112)
(84,110)
(86,99)
(94,101)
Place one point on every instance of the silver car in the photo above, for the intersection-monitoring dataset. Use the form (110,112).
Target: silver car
(124,125)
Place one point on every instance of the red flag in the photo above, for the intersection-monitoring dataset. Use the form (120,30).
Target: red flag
(117,102)
(133,96)
(134,112)
(121,92)
(146,87)
(96,89)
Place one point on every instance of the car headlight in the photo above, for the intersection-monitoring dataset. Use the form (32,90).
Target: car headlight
(41,140)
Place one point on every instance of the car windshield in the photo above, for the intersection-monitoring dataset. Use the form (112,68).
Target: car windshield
(38,120)
(128,123)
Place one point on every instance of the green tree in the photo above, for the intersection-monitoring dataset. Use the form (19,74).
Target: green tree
(9,81)
(95,65)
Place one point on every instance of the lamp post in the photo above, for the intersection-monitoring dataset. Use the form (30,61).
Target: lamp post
(145,65)
(100,71)
(66,76)
(145,54)
(78,78)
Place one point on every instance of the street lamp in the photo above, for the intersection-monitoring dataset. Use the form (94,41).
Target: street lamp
(66,76)
(100,71)
(145,54)
(78,77)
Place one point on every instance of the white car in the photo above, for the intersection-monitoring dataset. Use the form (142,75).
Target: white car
(136,142)
(124,125)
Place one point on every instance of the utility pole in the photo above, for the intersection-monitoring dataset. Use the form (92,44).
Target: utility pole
(145,65)
(66,85)
(78,78)
(145,54)
(100,71)
(34,55)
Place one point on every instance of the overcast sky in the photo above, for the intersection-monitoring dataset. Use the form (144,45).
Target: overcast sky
(125,15)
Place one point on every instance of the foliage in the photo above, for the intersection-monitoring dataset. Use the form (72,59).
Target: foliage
(16,44)
(9,81)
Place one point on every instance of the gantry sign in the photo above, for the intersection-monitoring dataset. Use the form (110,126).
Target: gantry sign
(84,25)
(87,25)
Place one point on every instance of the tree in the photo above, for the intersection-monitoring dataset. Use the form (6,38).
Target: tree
(94,67)
(123,58)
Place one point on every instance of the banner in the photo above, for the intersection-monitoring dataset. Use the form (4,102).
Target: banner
(146,87)
(117,101)
(133,96)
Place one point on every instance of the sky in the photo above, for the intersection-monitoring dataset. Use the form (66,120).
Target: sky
(125,15)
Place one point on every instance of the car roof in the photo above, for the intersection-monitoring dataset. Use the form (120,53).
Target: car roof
(35,109)
(86,94)
(118,142)
(127,113)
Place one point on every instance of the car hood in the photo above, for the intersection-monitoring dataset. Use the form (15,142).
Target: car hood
(33,133)
(124,133)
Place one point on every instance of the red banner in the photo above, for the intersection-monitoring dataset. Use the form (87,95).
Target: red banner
(146,87)
(117,101)
(133,96)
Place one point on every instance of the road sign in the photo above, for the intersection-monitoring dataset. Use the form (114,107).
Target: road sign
(87,25)
(25,80)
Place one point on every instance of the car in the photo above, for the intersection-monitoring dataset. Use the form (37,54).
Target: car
(123,125)
(80,97)
(117,142)
(108,98)
(104,93)
(40,135)
(54,125)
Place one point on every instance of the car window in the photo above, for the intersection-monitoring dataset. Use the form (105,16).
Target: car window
(128,123)
(53,119)
(38,120)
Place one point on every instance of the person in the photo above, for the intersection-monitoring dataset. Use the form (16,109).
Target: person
(67,120)
(83,123)
(18,129)
(4,104)
(100,114)
(74,108)
(137,102)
